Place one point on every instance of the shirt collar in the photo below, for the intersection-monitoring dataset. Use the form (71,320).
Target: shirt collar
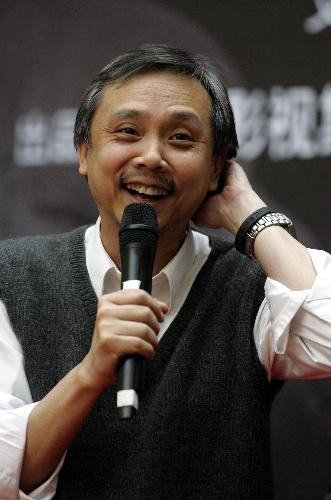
(177,268)
(165,285)
(98,261)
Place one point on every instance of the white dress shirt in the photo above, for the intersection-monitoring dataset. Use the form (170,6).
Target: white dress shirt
(292,334)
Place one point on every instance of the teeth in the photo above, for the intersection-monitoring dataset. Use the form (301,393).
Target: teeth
(151,191)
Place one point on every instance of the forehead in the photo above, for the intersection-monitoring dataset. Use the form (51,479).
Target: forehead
(158,91)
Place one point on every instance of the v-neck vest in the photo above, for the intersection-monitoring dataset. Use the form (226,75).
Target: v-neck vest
(202,429)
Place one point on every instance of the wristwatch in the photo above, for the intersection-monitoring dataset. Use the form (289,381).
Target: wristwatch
(270,219)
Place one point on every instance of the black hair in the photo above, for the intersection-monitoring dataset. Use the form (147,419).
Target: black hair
(162,58)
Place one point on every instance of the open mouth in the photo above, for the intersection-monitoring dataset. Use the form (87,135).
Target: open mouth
(147,193)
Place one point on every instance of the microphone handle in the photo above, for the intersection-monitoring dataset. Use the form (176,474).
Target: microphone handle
(137,261)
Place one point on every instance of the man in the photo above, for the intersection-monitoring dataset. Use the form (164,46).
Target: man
(156,126)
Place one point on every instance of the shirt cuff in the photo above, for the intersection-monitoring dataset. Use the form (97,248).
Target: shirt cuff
(13,426)
(283,305)
(321,289)
(45,491)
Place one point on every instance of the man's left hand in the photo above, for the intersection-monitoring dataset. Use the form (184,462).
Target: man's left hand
(229,208)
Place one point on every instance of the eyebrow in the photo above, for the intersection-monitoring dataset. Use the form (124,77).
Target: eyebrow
(128,113)
(187,116)
(184,116)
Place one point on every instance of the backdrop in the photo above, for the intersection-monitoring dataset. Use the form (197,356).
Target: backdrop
(275,57)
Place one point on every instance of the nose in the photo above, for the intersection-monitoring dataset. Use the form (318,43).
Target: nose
(150,154)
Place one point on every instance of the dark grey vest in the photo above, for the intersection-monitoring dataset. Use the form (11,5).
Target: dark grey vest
(202,430)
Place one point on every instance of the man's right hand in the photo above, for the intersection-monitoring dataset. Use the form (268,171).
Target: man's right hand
(127,322)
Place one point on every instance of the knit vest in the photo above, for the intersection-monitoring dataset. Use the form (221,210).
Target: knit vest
(202,429)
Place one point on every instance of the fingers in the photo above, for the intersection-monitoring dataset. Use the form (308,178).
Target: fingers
(131,313)
(137,339)
(116,327)
(136,297)
(110,314)
(230,207)
(234,175)
(127,322)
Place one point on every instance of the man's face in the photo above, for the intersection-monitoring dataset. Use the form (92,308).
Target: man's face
(152,142)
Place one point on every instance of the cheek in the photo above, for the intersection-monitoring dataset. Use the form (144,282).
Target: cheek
(195,176)
(111,158)
(194,183)
(193,190)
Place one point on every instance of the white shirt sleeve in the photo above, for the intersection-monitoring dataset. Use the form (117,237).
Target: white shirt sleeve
(293,328)
(15,408)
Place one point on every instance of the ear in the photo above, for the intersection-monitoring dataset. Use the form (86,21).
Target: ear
(217,166)
(82,151)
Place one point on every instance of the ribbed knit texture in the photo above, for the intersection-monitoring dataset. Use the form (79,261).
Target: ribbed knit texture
(202,430)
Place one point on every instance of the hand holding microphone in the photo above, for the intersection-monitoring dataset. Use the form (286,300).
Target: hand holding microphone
(127,323)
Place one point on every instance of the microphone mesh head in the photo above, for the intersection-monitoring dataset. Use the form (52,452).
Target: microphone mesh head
(139,224)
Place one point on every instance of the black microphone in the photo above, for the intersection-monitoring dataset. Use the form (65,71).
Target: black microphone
(138,238)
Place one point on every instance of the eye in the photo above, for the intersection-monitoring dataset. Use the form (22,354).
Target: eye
(127,130)
(127,133)
(182,137)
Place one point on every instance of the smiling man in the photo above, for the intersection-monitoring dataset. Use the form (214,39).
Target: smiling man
(156,126)
(151,141)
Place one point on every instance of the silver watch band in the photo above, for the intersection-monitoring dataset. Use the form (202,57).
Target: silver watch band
(272,219)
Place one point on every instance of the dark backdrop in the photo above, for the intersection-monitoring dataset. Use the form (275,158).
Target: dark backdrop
(276,59)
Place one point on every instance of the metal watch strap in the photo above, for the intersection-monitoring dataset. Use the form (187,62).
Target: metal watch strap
(270,219)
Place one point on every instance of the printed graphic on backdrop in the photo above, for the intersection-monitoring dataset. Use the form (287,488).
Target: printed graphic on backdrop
(321,19)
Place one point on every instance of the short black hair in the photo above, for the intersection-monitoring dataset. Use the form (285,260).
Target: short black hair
(162,58)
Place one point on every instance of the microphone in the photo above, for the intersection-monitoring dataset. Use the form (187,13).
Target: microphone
(138,239)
